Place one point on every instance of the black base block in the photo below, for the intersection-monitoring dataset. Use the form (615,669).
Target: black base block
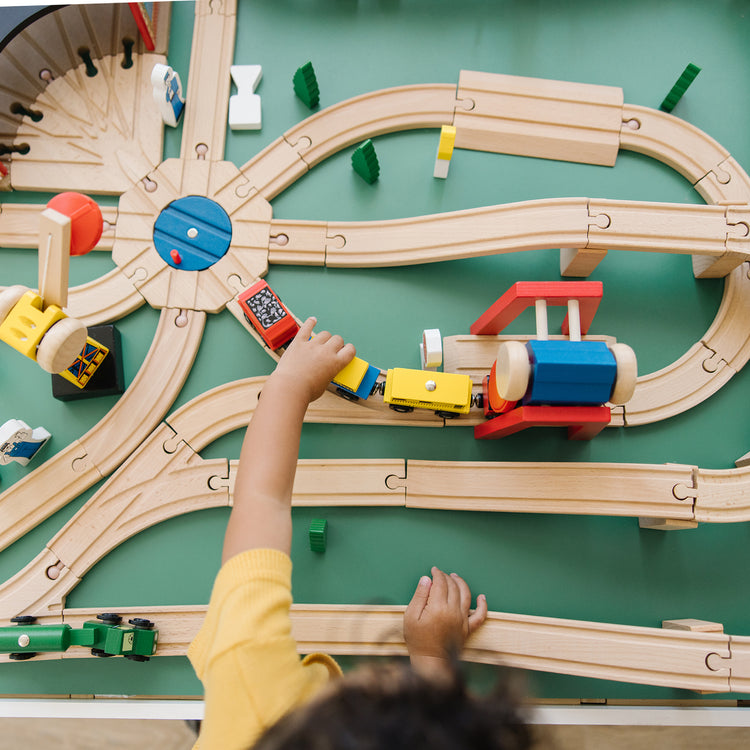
(108,380)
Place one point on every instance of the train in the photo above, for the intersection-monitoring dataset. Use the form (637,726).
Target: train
(540,382)
(105,636)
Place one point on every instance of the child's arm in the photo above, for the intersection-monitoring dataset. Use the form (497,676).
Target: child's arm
(261,515)
(438,621)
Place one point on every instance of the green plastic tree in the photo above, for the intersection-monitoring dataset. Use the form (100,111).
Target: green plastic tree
(365,162)
(677,91)
(306,85)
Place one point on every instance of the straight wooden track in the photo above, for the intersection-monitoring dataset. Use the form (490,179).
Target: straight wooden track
(712,662)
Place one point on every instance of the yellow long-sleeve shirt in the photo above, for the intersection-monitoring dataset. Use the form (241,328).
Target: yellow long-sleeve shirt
(245,656)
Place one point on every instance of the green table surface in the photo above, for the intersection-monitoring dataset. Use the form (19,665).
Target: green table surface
(579,567)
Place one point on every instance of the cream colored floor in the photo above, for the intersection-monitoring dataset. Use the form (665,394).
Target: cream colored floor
(95,734)
(646,738)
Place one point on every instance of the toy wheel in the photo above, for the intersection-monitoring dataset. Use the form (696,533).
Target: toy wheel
(8,299)
(110,618)
(22,656)
(512,370)
(446,414)
(136,657)
(61,345)
(348,395)
(141,623)
(23,620)
(99,652)
(627,373)
(401,409)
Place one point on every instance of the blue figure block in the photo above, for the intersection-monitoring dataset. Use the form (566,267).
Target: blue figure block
(570,372)
(365,387)
(18,442)
(167,93)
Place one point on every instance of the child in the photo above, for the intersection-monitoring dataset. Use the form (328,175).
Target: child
(244,653)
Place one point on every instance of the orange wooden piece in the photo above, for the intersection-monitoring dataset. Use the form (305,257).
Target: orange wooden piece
(523,294)
(583,422)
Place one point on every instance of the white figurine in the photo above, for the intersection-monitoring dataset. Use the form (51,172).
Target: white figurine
(244,106)
(167,93)
(18,442)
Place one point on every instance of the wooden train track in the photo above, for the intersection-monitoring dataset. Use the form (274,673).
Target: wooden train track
(119,509)
(719,233)
(671,657)
(107,444)
(211,54)
(166,477)
(575,223)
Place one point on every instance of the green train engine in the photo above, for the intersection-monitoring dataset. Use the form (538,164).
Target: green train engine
(105,636)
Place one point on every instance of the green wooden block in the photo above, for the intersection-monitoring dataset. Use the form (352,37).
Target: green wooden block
(365,162)
(318,532)
(306,85)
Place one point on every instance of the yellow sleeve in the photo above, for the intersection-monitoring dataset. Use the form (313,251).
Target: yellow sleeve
(245,654)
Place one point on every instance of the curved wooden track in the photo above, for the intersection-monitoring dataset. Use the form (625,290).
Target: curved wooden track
(106,445)
(646,490)
(533,225)
(336,127)
(103,300)
(106,299)
(687,382)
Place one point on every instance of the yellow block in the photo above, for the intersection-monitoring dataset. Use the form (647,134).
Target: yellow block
(27,323)
(351,376)
(447,141)
(428,390)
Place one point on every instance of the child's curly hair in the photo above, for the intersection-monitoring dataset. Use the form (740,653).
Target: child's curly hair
(390,707)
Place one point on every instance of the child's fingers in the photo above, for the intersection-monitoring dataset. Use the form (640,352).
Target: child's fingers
(439,591)
(346,354)
(464,593)
(304,333)
(336,342)
(322,337)
(421,595)
(454,592)
(306,329)
(479,615)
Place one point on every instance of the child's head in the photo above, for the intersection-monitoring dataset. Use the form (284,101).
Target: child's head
(392,708)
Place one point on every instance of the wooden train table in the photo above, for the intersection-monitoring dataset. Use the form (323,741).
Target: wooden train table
(125,510)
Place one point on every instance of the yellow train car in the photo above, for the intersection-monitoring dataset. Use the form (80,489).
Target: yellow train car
(447,393)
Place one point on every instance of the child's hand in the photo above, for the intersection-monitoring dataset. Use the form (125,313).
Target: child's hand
(309,365)
(438,621)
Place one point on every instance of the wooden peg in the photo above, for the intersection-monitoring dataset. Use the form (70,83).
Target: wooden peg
(54,257)
(694,626)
